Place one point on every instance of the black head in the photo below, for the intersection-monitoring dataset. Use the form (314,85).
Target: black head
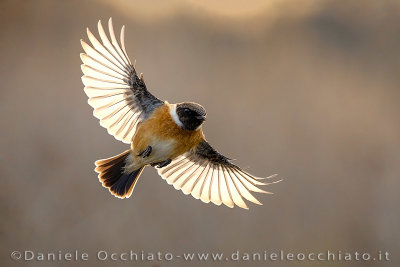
(191,115)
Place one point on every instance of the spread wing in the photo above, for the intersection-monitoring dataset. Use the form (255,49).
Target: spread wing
(209,176)
(117,94)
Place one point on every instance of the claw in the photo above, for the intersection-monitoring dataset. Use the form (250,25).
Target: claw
(145,153)
(161,164)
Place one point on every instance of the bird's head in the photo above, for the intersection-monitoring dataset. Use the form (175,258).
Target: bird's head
(191,115)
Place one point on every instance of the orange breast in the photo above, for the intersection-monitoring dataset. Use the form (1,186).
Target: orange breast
(161,126)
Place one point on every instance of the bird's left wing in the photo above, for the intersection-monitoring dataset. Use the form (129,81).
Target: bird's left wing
(207,175)
(117,94)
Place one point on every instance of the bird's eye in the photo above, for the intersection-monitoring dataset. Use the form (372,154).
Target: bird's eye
(186,110)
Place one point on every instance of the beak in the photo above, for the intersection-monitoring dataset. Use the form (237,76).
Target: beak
(201,118)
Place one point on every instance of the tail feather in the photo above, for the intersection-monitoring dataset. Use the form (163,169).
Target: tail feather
(123,188)
(112,175)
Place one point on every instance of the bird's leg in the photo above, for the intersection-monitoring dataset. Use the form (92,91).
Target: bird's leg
(145,153)
(161,164)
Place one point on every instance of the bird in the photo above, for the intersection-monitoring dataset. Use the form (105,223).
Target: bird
(165,136)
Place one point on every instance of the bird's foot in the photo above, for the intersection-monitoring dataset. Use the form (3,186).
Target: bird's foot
(145,153)
(161,164)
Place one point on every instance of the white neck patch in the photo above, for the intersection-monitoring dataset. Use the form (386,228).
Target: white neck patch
(174,115)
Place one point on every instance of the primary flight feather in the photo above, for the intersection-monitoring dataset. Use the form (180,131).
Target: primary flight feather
(163,135)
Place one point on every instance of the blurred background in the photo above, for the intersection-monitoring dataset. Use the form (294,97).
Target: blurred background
(307,89)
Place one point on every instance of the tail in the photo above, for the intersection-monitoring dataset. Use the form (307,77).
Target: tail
(112,175)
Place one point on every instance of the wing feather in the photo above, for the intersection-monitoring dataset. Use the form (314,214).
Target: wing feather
(119,97)
(183,179)
(211,177)
(95,73)
(181,170)
(199,184)
(225,194)
(115,42)
(106,42)
(189,184)
(99,57)
(242,189)
(205,195)
(89,61)
(122,37)
(103,51)
(236,197)
(215,192)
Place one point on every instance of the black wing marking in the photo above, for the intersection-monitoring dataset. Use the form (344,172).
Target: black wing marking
(205,151)
(117,94)
(208,175)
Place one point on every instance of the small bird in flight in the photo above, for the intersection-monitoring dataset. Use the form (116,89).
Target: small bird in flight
(163,135)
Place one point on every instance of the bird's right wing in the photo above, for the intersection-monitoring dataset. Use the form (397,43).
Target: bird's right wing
(117,94)
(210,176)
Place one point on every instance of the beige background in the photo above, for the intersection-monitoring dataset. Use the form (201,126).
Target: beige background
(306,89)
